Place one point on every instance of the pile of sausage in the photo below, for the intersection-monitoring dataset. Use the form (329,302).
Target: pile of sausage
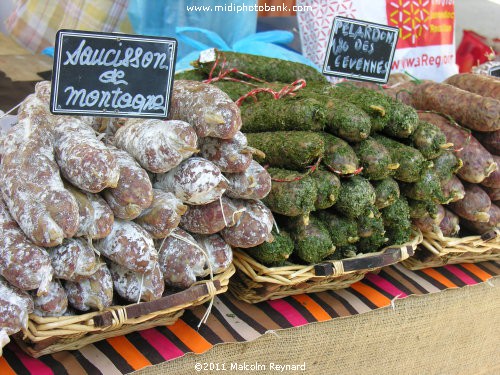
(94,209)
(473,101)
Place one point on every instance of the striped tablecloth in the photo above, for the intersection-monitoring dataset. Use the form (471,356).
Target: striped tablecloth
(235,321)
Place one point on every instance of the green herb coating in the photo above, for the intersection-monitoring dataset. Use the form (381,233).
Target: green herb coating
(421,209)
(386,192)
(373,243)
(375,159)
(288,113)
(356,195)
(397,214)
(342,231)
(446,165)
(235,90)
(428,188)
(327,189)
(272,253)
(266,68)
(411,161)
(291,198)
(312,241)
(343,252)
(343,119)
(370,222)
(287,149)
(398,235)
(339,156)
(373,103)
(388,114)
(428,139)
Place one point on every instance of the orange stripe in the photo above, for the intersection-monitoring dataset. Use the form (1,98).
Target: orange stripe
(377,298)
(191,338)
(316,310)
(129,352)
(476,271)
(5,369)
(438,277)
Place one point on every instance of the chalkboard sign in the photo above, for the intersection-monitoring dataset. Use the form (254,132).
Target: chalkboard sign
(360,50)
(115,75)
(494,71)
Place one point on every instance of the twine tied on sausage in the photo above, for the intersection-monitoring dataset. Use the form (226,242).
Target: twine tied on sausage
(224,75)
(212,291)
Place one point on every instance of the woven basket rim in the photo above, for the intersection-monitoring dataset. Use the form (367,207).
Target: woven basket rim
(441,245)
(296,274)
(85,329)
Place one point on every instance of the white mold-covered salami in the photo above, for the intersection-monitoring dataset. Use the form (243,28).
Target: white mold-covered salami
(230,155)
(209,109)
(32,187)
(220,254)
(15,307)
(157,145)
(73,260)
(22,263)
(129,245)
(194,181)
(254,183)
(96,218)
(212,217)
(181,260)
(92,293)
(253,228)
(130,285)
(163,216)
(134,191)
(54,303)
(84,160)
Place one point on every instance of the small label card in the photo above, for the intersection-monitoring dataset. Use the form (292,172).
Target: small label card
(360,50)
(109,74)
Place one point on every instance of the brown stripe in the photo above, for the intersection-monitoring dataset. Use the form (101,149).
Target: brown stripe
(334,303)
(68,360)
(490,267)
(255,313)
(215,325)
(403,281)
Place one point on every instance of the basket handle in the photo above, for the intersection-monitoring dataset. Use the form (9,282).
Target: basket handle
(136,310)
(390,256)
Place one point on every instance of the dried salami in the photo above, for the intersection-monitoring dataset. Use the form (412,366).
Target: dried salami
(92,293)
(194,181)
(209,109)
(253,228)
(22,263)
(134,286)
(133,192)
(163,215)
(253,183)
(129,245)
(157,145)
(212,217)
(181,260)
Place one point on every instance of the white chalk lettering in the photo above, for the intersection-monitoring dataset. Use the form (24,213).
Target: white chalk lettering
(111,100)
(130,57)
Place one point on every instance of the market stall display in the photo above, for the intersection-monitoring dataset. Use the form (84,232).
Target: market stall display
(92,211)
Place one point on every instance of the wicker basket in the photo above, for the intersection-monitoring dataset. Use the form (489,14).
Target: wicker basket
(255,282)
(47,335)
(437,250)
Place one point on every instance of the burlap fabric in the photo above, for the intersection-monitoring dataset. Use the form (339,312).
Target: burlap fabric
(452,332)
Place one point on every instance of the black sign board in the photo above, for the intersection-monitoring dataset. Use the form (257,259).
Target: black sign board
(494,71)
(115,75)
(360,50)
